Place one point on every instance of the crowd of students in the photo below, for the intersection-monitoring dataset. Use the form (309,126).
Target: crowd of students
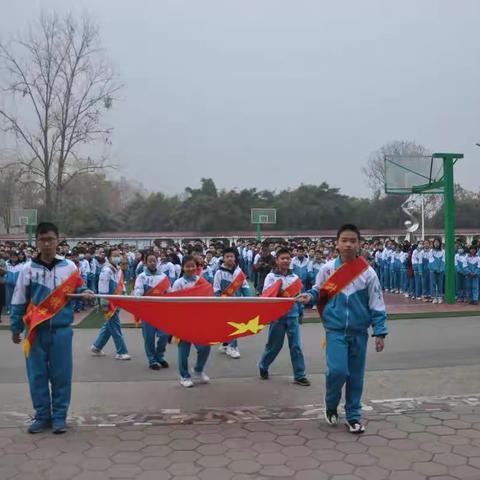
(297,270)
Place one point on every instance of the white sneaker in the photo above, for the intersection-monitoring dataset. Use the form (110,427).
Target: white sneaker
(186,382)
(223,348)
(314,307)
(96,352)
(440,300)
(201,377)
(233,352)
(434,300)
(122,356)
(406,295)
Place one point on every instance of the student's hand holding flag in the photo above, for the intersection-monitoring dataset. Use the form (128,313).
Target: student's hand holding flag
(88,295)
(304,298)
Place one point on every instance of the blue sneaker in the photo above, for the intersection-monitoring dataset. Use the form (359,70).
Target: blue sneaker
(39,426)
(59,427)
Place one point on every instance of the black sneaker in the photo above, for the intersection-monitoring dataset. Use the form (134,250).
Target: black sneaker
(355,426)
(263,374)
(164,364)
(304,382)
(331,417)
(154,366)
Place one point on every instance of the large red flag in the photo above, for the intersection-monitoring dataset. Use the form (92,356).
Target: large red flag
(203,319)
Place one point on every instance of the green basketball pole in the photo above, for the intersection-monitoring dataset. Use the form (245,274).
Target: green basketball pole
(449,160)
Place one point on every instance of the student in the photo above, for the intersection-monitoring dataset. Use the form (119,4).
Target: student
(151,282)
(396,266)
(99,262)
(379,263)
(404,279)
(165,266)
(426,287)
(417,266)
(299,266)
(437,268)
(350,302)
(111,282)
(460,259)
(289,284)
(230,281)
(315,266)
(472,270)
(189,280)
(14,266)
(387,258)
(49,339)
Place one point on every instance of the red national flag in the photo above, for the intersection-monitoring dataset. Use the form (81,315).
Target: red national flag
(203,320)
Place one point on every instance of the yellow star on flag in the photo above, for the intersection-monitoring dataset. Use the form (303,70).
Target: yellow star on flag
(252,326)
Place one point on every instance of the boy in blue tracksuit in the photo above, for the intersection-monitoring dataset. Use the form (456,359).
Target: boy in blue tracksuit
(144,282)
(299,267)
(111,282)
(460,259)
(346,319)
(286,325)
(426,286)
(417,268)
(49,361)
(472,270)
(437,269)
(314,267)
(230,280)
(14,266)
(397,268)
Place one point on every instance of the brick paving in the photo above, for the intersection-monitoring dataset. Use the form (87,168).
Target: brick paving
(421,443)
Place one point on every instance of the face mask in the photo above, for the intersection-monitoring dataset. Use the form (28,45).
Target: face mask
(420,247)
(116,260)
(81,256)
(460,251)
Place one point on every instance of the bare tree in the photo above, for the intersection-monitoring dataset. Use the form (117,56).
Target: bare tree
(58,80)
(374,170)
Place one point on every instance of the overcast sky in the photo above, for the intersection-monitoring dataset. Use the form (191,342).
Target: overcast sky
(273,93)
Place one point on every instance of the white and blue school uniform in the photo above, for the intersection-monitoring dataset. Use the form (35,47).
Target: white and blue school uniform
(203,351)
(139,268)
(299,267)
(222,280)
(11,276)
(248,262)
(379,266)
(168,269)
(347,318)
(426,287)
(387,259)
(404,283)
(84,269)
(313,269)
(437,268)
(417,267)
(155,353)
(49,361)
(97,269)
(287,325)
(460,260)
(91,275)
(472,271)
(107,284)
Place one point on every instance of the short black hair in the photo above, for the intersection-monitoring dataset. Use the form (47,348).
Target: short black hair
(230,250)
(350,227)
(45,227)
(109,252)
(283,251)
(148,254)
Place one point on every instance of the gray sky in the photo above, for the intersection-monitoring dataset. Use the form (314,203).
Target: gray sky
(273,93)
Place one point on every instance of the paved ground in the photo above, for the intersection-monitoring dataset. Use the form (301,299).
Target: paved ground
(130,422)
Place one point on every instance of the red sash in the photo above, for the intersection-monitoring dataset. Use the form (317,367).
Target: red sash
(291,291)
(118,291)
(49,307)
(155,291)
(237,282)
(340,279)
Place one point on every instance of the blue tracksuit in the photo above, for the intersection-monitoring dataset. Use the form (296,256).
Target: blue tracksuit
(313,269)
(13,271)
(426,287)
(472,270)
(107,284)
(49,363)
(300,268)
(286,325)
(379,266)
(396,268)
(417,266)
(223,278)
(346,319)
(155,354)
(387,259)
(167,268)
(203,351)
(437,268)
(460,259)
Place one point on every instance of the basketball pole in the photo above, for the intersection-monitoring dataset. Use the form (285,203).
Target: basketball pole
(449,160)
